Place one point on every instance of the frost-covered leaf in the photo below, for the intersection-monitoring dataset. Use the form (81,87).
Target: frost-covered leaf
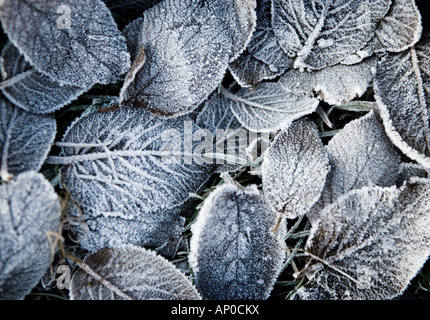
(25,139)
(369,244)
(30,89)
(233,253)
(263,58)
(29,210)
(295,168)
(408,170)
(323,33)
(224,136)
(402,85)
(397,31)
(335,85)
(270,107)
(188,46)
(360,155)
(130,273)
(74,42)
(129,172)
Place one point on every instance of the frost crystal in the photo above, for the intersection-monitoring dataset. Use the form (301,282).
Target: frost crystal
(369,244)
(29,210)
(130,172)
(323,33)
(188,45)
(401,87)
(76,42)
(294,169)
(25,139)
(233,253)
(130,273)
(31,90)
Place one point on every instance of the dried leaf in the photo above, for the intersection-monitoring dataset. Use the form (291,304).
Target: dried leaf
(401,88)
(29,210)
(129,172)
(73,42)
(188,46)
(25,139)
(233,253)
(130,273)
(369,244)
(270,107)
(294,169)
(31,90)
(323,33)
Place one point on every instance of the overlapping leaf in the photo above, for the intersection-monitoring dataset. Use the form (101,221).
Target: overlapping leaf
(188,46)
(335,85)
(130,273)
(233,253)
(294,169)
(73,42)
(323,33)
(369,244)
(270,107)
(360,155)
(129,172)
(31,90)
(29,210)
(25,139)
(402,83)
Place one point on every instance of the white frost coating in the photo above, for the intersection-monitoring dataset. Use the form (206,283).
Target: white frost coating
(188,45)
(88,50)
(401,92)
(373,241)
(25,139)
(29,208)
(233,253)
(130,273)
(335,85)
(323,33)
(138,164)
(360,155)
(294,169)
(270,106)
(31,90)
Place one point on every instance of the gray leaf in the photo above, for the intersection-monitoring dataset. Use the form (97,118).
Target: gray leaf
(401,88)
(400,29)
(25,139)
(369,244)
(188,46)
(73,42)
(270,107)
(294,169)
(131,169)
(31,90)
(336,84)
(130,273)
(408,170)
(29,209)
(360,155)
(233,253)
(323,33)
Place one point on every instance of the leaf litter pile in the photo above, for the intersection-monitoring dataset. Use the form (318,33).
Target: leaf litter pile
(222,149)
